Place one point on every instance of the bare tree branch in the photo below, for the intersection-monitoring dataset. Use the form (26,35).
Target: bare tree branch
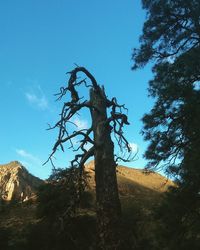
(70,109)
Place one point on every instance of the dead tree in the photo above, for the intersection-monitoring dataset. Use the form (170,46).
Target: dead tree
(99,136)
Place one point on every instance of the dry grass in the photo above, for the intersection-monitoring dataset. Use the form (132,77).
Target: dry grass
(134,183)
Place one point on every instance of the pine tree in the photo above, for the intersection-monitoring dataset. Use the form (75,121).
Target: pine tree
(171,39)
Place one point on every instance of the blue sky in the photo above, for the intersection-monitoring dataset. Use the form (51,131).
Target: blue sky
(39,42)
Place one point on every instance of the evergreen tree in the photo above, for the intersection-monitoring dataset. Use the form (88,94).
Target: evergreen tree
(171,39)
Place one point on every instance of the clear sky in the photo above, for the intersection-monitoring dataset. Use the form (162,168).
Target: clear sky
(39,42)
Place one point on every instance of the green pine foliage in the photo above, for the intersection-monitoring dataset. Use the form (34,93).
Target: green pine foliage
(171,39)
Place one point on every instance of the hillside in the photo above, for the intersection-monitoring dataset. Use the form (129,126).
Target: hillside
(139,193)
(16,183)
(134,184)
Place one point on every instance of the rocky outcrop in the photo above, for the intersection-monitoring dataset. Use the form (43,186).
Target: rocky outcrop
(16,183)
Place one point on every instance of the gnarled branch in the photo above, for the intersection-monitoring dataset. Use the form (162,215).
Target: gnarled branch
(70,109)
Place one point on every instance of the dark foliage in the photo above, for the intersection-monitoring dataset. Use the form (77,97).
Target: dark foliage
(4,238)
(137,228)
(171,38)
(62,226)
(79,234)
(62,195)
(171,28)
(178,220)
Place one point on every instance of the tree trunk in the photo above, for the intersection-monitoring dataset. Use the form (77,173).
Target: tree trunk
(107,198)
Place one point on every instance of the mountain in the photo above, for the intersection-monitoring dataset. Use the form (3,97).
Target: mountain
(16,183)
(134,184)
(128,178)
(139,192)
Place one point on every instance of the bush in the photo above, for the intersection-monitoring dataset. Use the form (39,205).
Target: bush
(4,238)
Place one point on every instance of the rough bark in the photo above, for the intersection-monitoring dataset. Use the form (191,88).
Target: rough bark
(107,198)
(108,203)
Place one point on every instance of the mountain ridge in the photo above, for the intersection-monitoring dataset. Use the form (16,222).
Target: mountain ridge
(16,183)
(151,180)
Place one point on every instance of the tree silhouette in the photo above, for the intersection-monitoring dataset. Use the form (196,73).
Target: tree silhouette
(102,148)
(171,39)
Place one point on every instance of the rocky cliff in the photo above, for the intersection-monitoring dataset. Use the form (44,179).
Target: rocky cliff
(16,183)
